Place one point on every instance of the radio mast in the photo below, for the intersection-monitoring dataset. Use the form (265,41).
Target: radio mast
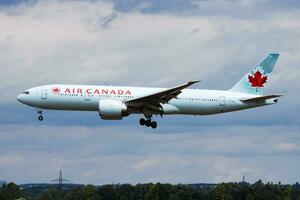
(60,180)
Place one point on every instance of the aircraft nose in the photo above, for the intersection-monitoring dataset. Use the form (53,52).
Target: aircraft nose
(20,98)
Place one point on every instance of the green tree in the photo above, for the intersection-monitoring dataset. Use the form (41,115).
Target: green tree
(140,191)
(153,193)
(51,194)
(286,193)
(250,197)
(108,192)
(174,196)
(126,192)
(296,191)
(219,193)
(10,191)
(90,193)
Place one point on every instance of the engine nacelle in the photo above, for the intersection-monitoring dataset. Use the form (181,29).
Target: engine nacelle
(112,109)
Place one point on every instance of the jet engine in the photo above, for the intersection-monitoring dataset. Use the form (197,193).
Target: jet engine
(112,109)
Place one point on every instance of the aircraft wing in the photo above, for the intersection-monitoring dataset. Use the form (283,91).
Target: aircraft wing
(163,96)
(260,98)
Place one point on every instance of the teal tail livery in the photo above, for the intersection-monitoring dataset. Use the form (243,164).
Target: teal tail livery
(257,79)
(117,102)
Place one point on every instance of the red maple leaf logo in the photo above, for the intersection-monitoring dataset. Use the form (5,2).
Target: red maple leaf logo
(56,90)
(257,79)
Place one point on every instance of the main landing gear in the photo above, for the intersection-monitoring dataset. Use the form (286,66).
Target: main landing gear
(40,117)
(147,122)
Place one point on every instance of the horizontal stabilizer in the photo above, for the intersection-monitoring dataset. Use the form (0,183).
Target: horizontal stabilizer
(260,98)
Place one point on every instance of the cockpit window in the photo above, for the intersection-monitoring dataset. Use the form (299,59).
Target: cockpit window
(26,92)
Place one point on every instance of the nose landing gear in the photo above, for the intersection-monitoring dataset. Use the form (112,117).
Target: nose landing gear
(40,117)
(147,122)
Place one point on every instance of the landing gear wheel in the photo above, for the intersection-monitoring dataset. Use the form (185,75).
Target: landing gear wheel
(148,122)
(142,121)
(40,118)
(154,124)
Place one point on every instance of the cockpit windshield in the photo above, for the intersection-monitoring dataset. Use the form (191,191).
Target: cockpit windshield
(26,92)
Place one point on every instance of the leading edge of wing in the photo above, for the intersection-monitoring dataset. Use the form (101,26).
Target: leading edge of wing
(163,95)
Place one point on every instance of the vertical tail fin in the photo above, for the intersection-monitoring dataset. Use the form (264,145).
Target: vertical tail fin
(256,80)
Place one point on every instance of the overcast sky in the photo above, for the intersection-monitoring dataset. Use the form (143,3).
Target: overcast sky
(148,43)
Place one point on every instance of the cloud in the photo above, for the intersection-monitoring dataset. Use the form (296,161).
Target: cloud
(287,146)
(8,160)
(128,154)
(62,42)
(101,42)
(107,20)
(147,163)
(228,8)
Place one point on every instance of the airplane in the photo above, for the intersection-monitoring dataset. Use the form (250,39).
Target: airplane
(116,102)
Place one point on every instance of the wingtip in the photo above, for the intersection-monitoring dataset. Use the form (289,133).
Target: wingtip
(196,81)
(274,54)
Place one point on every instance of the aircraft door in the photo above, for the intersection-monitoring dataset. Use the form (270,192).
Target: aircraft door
(222,101)
(44,94)
(87,96)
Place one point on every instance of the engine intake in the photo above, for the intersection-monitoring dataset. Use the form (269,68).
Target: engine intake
(112,109)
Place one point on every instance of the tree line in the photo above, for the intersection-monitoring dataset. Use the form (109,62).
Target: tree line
(158,191)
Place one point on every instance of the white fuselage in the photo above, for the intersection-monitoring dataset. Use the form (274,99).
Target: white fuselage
(87,97)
